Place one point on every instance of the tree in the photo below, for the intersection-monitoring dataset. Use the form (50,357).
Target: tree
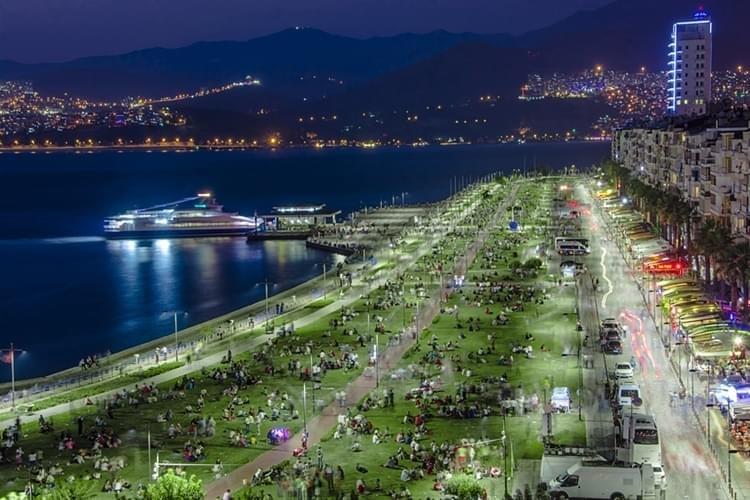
(732,265)
(171,486)
(711,239)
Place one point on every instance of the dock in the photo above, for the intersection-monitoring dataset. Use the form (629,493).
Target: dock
(278,235)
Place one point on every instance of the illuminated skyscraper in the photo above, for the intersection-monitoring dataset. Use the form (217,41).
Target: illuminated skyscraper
(689,89)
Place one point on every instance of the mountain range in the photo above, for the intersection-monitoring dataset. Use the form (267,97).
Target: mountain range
(312,64)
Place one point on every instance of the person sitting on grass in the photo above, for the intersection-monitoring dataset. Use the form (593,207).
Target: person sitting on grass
(405,475)
(360,487)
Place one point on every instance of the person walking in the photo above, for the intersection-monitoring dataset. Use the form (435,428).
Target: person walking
(79,421)
(328,475)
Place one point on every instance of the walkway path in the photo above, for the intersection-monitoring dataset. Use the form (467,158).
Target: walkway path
(321,425)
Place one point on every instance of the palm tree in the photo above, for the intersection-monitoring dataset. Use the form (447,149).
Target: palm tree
(711,239)
(733,266)
(741,270)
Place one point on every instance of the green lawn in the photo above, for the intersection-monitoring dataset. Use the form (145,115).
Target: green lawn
(552,324)
(132,424)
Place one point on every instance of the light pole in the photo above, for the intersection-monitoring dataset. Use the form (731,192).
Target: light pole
(325,282)
(265,284)
(174,315)
(266,302)
(377,359)
(312,380)
(416,325)
(304,407)
(12,351)
(504,438)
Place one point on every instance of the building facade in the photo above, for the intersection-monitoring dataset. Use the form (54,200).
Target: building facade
(708,165)
(689,72)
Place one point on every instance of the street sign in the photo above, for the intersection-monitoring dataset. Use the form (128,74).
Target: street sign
(513,225)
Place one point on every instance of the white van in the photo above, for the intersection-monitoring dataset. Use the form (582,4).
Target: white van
(605,482)
(572,248)
(629,395)
(565,239)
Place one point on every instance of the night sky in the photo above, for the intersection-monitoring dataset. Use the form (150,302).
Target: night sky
(53,30)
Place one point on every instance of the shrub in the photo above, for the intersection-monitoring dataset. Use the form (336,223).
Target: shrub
(464,487)
(170,486)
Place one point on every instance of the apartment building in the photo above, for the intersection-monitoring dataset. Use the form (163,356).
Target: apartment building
(708,163)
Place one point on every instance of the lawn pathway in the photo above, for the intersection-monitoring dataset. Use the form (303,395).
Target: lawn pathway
(319,426)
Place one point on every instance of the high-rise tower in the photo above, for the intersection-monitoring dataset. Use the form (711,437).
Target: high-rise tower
(689,87)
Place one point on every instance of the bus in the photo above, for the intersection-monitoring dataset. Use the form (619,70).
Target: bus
(638,442)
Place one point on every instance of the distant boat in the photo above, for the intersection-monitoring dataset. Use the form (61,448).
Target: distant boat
(194,217)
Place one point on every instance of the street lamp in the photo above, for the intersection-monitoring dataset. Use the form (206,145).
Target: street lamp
(325,282)
(12,350)
(377,355)
(504,439)
(312,380)
(304,407)
(175,314)
(265,283)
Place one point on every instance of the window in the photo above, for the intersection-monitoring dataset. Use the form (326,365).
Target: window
(571,481)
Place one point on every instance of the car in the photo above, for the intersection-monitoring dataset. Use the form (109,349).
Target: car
(610,335)
(623,371)
(569,263)
(660,477)
(612,347)
(610,323)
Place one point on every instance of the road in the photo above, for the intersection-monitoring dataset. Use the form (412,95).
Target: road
(692,471)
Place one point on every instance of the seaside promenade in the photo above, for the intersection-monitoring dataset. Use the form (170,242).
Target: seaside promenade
(210,336)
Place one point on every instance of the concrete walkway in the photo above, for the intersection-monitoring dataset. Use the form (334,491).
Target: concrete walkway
(321,425)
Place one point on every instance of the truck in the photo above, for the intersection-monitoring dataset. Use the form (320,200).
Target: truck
(605,482)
